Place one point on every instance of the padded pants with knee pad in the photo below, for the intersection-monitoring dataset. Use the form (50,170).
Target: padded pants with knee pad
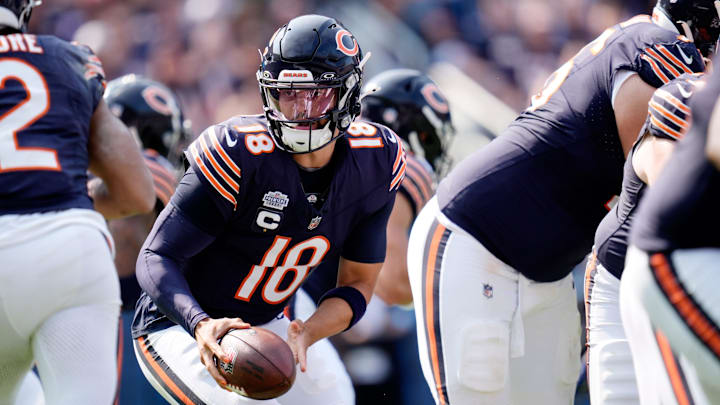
(611,376)
(487,334)
(670,309)
(170,360)
(59,306)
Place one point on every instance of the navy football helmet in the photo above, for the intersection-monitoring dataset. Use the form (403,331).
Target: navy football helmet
(22,9)
(310,79)
(410,103)
(152,112)
(699,20)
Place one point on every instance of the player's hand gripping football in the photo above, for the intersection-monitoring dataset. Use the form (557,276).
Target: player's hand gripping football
(299,341)
(207,333)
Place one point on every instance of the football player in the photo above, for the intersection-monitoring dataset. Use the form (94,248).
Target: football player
(409,103)
(266,199)
(610,367)
(490,256)
(153,114)
(59,294)
(668,292)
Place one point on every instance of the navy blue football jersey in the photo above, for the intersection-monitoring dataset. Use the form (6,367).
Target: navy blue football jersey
(680,211)
(669,118)
(417,187)
(535,195)
(50,89)
(270,236)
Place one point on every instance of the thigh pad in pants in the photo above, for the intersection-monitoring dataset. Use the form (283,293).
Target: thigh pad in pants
(485,356)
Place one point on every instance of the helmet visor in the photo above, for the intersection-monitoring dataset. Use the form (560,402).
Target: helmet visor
(302,106)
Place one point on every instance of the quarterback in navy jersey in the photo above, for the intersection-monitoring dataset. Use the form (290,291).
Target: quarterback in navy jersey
(608,352)
(266,198)
(668,293)
(56,251)
(490,257)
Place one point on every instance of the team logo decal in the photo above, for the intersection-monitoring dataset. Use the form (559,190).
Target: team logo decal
(341,43)
(434,98)
(276,200)
(158,99)
(314,223)
(487,291)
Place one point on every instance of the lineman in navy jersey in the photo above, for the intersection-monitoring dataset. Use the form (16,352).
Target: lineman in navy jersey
(56,251)
(610,365)
(490,256)
(668,293)
(265,200)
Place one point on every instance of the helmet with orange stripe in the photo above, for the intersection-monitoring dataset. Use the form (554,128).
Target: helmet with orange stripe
(310,78)
(16,13)
(411,104)
(699,20)
(152,112)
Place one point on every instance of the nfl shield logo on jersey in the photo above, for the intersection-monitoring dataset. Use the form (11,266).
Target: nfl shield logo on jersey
(487,291)
(314,223)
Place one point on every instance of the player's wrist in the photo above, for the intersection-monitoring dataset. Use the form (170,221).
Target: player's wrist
(353,297)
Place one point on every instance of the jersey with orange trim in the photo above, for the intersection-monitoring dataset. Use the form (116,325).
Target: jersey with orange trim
(669,118)
(417,187)
(164,179)
(680,210)
(266,232)
(535,195)
(49,89)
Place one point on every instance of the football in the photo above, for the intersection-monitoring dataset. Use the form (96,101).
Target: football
(261,364)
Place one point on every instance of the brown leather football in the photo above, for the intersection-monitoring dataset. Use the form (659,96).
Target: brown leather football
(261,364)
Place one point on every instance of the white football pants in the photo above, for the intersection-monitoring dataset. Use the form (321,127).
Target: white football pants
(59,306)
(171,362)
(611,377)
(670,304)
(486,334)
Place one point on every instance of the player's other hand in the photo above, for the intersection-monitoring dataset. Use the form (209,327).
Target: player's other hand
(207,333)
(299,341)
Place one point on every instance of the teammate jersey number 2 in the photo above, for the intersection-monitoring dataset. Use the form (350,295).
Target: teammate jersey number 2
(271,292)
(35,105)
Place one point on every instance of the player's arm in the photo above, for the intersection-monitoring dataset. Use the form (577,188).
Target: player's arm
(124,186)
(630,107)
(343,306)
(651,156)
(184,228)
(393,285)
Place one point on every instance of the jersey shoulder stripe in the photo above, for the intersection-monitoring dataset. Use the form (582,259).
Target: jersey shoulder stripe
(418,184)
(668,109)
(213,162)
(163,180)
(400,163)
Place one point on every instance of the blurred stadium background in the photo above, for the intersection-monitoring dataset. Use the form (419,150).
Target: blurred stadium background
(488,56)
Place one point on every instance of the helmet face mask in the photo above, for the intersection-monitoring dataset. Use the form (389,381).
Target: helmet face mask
(310,92)
(22,10)
(698,20)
